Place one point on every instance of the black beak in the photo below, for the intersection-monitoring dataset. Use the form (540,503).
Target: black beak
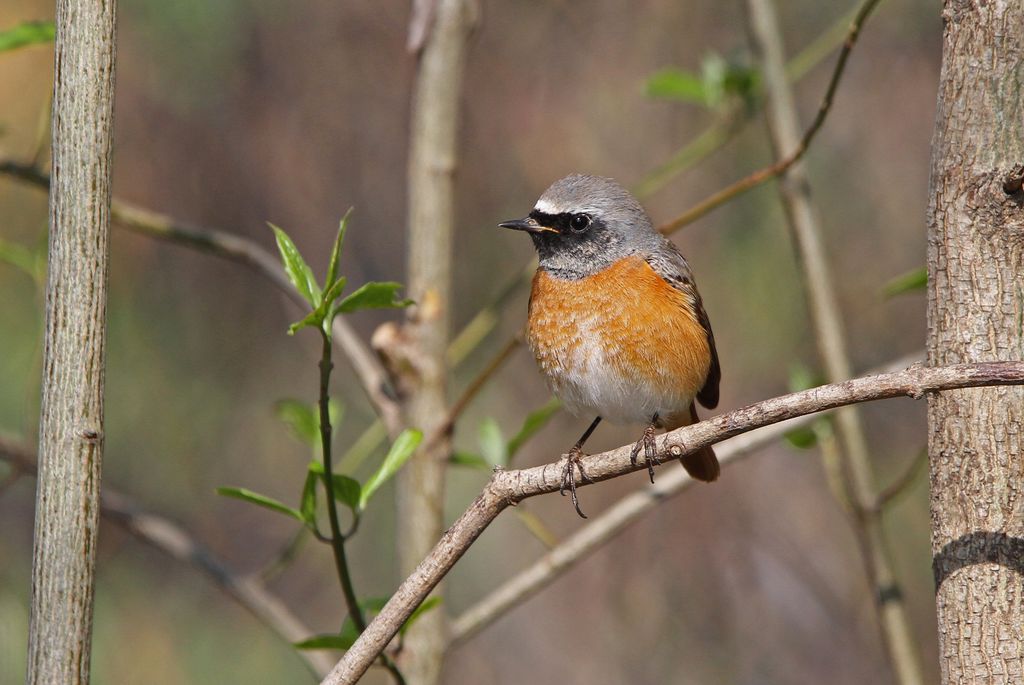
(529,224)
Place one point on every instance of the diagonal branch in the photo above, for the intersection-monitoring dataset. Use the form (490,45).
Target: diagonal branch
(509,487)
(173,540)
(615,519)
(599,531)
(372,376)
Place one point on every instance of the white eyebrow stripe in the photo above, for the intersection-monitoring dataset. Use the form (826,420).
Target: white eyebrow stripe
(545,207)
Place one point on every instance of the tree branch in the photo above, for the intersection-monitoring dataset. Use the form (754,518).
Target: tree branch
(716,200)
(372,376)
(172,539)
(603,528)
(857,477)
(598,531)
(509,487)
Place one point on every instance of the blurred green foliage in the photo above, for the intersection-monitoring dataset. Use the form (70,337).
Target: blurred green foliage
(26,33)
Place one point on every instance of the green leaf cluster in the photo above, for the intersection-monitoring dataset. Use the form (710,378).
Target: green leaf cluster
(326,301)
(347,490)
(26,33)
(912,281)
(719,81)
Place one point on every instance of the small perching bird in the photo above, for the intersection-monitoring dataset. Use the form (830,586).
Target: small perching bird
(615,320)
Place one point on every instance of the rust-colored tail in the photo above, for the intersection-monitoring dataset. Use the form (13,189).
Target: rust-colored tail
(702,464)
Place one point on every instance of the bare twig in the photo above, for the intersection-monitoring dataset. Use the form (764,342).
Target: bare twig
(902,483)
(444,428)
(371,373)
(172,539)
(755,179)
(601,529)
(855,460)
(508,487)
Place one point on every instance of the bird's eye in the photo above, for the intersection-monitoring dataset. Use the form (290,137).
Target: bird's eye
(579,222)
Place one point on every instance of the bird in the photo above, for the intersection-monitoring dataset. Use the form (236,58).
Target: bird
(615,320)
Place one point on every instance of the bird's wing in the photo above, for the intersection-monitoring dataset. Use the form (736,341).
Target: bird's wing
(670,264)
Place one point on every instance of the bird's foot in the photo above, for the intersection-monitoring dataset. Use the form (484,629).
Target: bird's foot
(573,460)
(646,443)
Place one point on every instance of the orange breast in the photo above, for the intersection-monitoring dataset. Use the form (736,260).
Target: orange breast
(617,338)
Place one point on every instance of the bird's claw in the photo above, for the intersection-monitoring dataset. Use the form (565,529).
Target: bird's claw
(573,459)
(646,443)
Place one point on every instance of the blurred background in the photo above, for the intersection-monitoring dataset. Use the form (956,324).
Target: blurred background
(238,112)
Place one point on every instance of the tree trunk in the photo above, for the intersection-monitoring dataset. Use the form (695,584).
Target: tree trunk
(71,424)
(975,313)
(432,163)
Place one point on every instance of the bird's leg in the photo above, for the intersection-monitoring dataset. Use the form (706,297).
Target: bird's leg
(646,443)
(573,460)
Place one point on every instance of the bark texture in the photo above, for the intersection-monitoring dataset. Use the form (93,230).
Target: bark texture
(432,165)
(71,425)
(975,313)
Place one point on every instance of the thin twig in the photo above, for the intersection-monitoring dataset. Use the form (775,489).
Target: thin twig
(825,314)
(172,539)
(372,376)
(508,487)
(355,612)
(337,539)
(475,386)
(755,179)
(615,519)
(903,481)
(276,564)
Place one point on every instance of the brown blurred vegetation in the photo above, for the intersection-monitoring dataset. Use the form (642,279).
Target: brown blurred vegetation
(235,113)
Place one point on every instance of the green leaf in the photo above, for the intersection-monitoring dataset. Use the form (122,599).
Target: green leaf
(470,460)
(325,309)
(18,256)
(723,77)
(535,420)
(311,320)
(302,420)
(341,641)
(298,271)
(346,490)
(492,442)
(26,33)
(676,84)
(332,266)
(334,292)
(802,378)
(428,604)
(373,295)
(262,501)
(403,447)
(906,283)
(308,502)
(802,438)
